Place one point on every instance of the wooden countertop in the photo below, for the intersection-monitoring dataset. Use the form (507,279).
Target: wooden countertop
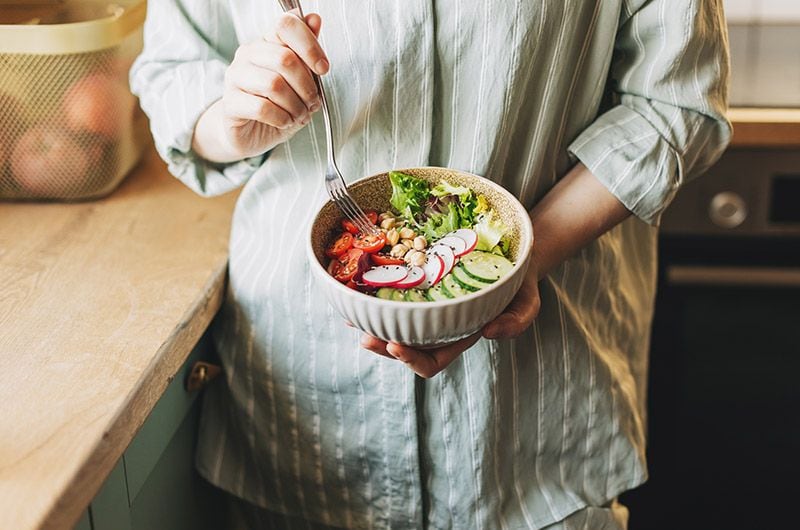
(754,127)
(100,304)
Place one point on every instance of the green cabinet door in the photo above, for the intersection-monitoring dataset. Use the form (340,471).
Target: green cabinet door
(174,496)
(154,486)
(85,522)
(110,508)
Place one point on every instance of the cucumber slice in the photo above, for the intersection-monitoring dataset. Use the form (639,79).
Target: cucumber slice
(415,295)
(437,293)
(451,285)
(398,295)
(385,293)
(465,280)
(444,289)
(485,266)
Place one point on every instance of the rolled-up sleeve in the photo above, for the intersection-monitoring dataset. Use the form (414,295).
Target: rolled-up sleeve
(180,73)
(671,75)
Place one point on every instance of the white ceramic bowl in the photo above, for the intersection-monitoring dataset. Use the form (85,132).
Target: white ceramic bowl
(422,323)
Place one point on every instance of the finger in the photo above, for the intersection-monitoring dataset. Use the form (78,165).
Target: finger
(375,345)
(519,314)
(271,85)
(246,106)
(293,32)
(428,363)
(314,22)
(286,62)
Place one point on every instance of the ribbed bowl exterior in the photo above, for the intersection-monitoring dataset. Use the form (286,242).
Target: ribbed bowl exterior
(422,323)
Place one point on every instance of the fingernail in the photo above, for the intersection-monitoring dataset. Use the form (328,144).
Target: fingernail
(305,119)
(315,106)
(393,351)
(321,67)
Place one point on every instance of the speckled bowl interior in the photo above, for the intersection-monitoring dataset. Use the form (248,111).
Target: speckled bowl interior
(374,192)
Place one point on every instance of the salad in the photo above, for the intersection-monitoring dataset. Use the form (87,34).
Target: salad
(436,243)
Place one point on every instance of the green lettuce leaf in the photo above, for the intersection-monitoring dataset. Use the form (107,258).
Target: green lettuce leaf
(445,188)
(438,225)
(467,202)
(491,230)
(408,194)
(481,204)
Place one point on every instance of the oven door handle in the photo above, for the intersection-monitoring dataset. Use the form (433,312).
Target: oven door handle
(733,276)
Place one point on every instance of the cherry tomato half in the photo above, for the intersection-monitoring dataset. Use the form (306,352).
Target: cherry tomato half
(348,225)
(340,246)
(347,265)
(370,243)
(383,259)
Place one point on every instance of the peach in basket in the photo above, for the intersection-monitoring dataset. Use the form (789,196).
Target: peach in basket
(454,275)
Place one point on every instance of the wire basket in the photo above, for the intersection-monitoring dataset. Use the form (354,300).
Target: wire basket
(70,129)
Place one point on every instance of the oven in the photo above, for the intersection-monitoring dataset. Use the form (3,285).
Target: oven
(724,387)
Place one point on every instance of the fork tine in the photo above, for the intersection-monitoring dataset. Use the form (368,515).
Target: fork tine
(359,217)
(346,204)
(338,192)
(368,226)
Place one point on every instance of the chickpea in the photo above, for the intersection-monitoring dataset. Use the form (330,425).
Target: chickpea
(385,215)
(410,255)
(398,251)
(388,223)
(418,259)
(420,243)
(407,233)
(409,243)
(392,237)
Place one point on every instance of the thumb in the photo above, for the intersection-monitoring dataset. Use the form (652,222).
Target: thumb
(519,314)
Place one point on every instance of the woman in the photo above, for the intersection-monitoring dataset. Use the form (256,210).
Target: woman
(587,111)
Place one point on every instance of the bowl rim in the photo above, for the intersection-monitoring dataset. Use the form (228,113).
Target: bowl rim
(527,233)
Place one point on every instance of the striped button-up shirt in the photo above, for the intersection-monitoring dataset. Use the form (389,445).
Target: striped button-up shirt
(515,433)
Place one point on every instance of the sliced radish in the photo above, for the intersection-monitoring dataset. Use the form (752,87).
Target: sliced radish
(470,237)
(416,275)
(434,270)
(446,253)
(385,275)
(458,245)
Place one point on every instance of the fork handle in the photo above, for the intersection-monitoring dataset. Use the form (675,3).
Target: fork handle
(289,5)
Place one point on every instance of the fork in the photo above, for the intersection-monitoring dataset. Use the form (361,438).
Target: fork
(334,182)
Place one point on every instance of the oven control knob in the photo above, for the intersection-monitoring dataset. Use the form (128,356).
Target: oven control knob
(727,209)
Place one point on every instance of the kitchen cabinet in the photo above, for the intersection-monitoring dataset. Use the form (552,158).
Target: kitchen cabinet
(154,485)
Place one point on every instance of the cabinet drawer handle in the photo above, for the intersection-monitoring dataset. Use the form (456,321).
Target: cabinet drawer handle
(201,374)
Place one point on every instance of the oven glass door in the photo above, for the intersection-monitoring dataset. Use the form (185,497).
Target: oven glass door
(724,395)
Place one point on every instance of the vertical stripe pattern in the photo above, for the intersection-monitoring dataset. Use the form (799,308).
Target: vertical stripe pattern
(541,431)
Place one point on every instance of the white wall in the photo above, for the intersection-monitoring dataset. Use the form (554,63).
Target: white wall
(765,11)
(765,52)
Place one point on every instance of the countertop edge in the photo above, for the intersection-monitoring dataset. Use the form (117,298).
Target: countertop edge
(765,127)
(137,406)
